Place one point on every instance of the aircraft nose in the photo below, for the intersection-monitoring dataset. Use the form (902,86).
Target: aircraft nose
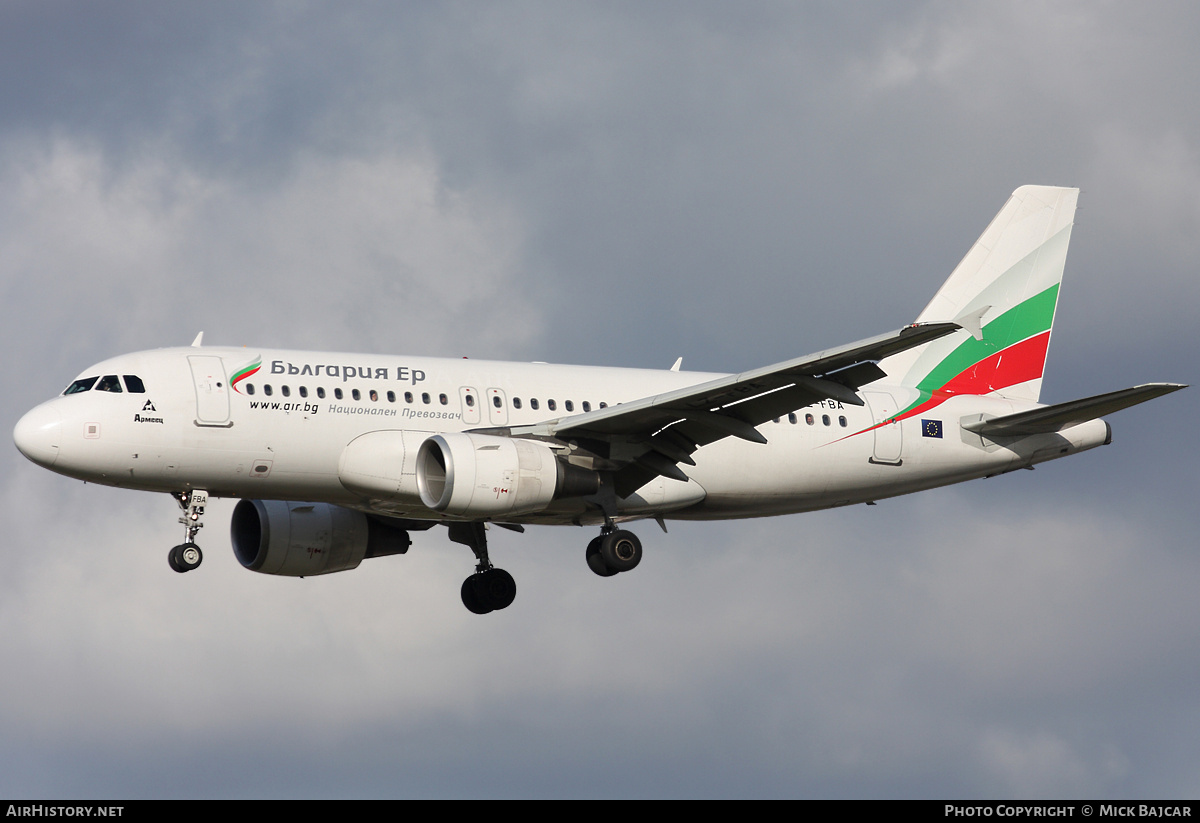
(38,435)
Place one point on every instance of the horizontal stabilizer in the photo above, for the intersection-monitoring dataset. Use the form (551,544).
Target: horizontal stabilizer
(1064,415)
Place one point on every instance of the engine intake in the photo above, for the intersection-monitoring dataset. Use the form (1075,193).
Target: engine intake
(480,475)
(301,539)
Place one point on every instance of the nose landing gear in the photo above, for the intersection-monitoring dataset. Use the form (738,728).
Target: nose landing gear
(187,555)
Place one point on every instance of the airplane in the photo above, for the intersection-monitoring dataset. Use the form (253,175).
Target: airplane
(338,457)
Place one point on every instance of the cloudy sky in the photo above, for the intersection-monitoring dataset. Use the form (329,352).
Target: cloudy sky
(621,184)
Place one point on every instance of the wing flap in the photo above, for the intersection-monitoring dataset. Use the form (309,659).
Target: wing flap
(1064,415)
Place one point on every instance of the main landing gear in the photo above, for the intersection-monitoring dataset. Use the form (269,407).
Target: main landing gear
(489,589)
(613,552)
(187,555)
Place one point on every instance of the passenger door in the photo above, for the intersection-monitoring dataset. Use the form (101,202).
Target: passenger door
(212,390)
(468,398)
(888,444)
(497,405)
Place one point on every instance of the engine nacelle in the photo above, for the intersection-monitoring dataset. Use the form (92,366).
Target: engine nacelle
(302,539)
(480,475)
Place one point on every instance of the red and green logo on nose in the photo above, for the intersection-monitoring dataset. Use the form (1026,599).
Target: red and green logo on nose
(244,372)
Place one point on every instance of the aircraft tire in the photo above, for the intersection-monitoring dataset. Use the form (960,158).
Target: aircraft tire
(471,599)
(495,588)
(188,556)
(595,561)
(173,560)
(621,551)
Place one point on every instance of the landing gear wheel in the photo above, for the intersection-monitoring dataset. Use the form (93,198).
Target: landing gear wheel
(489,591)
(496,588)
(470,599)
(190,556)
(620,550)
(185,557)
(595,561)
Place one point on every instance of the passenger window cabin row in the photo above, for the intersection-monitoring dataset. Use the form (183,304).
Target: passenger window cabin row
(811,420)
(469,399)
(426,398)
(286,391)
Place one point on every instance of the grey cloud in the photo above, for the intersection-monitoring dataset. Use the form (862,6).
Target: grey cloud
(614,184)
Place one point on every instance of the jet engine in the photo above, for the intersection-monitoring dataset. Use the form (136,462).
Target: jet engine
(481,475)
(301,539)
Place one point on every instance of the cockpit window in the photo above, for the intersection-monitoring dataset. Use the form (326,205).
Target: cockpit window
(109,382)
(133,384)
(81,385)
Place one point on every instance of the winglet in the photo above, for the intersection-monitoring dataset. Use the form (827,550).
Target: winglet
(678,363)
(199,339)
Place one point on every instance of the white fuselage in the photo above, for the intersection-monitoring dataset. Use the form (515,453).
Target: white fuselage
(288,440)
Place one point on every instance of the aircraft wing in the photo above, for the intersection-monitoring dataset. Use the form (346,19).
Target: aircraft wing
(648,437)
(1064,415)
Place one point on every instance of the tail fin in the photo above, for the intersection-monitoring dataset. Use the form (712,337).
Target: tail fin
(1003,294)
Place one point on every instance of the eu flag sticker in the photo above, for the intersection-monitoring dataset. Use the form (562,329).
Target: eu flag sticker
(931,428)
